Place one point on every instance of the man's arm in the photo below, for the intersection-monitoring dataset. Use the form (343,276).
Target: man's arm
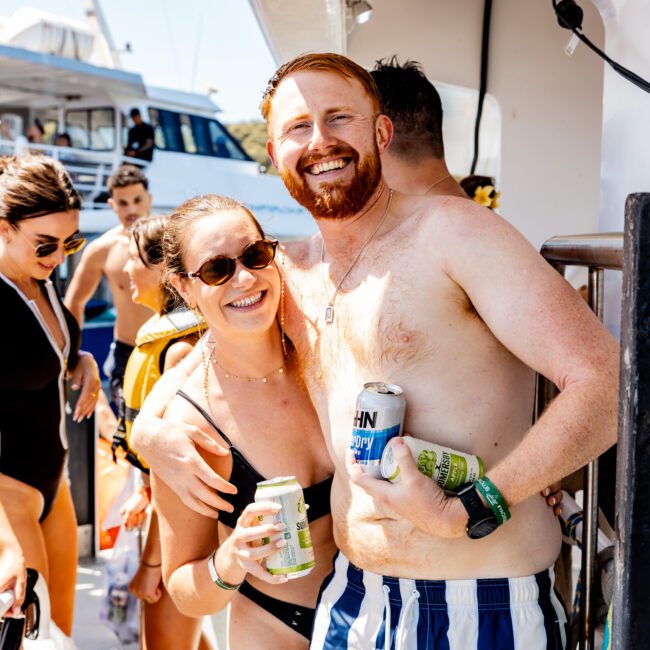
(146,145)
(534,313)
(85,280)
(170,447)
(542,320)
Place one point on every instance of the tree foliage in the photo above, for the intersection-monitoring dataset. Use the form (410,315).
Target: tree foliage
(252,137)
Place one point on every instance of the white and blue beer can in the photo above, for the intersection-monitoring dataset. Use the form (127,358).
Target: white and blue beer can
(378,418)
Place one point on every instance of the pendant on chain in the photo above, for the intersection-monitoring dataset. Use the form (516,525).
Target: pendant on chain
(329,314)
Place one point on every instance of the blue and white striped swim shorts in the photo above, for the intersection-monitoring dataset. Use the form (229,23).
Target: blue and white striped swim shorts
(363,610)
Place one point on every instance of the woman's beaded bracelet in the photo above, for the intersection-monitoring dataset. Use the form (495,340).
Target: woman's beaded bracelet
(215,576)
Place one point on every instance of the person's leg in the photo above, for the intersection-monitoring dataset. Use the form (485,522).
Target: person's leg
(23,505)
(165,628)
(60,535)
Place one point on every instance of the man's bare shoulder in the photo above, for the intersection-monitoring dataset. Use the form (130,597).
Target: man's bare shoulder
(301,252)
(452,219)
(111,236)
(101,246)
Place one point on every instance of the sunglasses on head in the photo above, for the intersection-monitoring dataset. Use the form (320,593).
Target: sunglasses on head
(217,270)
(70,246)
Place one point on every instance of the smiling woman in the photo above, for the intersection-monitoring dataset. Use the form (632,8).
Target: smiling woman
(247,394)
(39,221)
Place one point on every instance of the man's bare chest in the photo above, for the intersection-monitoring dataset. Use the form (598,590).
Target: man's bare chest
(116,260)
(381,321)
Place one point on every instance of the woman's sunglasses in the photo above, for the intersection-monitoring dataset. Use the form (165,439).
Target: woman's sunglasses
(70,246)
(217,270)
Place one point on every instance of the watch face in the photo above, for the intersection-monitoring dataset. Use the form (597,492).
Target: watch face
(483,527)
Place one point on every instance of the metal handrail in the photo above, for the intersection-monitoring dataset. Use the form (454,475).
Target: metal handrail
(600,250)
(597,252)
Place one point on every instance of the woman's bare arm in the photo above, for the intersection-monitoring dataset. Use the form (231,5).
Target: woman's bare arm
(170,447)
(188,539)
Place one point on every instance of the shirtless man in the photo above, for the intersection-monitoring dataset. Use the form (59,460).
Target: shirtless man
(107,256)
(444,298)
(414,162)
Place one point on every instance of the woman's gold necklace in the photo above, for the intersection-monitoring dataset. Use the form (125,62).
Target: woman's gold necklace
(232,375)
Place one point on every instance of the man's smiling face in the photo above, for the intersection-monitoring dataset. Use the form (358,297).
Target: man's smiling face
(324,139)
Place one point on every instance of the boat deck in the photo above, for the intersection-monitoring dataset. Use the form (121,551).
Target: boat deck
(90,633)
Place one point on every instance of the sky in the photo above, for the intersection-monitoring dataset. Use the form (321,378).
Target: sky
(189,45)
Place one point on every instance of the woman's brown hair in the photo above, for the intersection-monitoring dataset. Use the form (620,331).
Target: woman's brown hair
(148,233)
(33,186)
(182,221)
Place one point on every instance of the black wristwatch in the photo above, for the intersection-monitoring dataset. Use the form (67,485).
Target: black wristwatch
(482,521)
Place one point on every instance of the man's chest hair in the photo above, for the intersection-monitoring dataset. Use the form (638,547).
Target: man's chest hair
(377,323)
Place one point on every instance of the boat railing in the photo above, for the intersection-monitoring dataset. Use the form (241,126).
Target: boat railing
(596,252)
(629,252)
(89,170)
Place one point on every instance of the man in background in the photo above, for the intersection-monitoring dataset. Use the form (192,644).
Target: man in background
(414,163)
(106,256)
(140,143)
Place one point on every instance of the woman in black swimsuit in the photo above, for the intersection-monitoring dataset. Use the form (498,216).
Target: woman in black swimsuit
(248,396)
(39,226)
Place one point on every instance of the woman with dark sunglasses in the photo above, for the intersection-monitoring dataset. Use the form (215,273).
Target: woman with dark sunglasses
(248,396)
(39,222)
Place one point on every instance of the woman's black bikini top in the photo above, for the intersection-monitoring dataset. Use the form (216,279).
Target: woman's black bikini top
(245,478)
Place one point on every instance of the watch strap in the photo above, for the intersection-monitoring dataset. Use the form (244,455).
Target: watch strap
(481,520)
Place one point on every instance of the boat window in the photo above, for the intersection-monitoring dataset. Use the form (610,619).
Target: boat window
(92,128)
(201,135)
(188,137)
(193,134)
(167,130)
(459,108)
(223,144)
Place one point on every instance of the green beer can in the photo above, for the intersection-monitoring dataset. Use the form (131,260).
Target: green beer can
(449,468)
(296,559)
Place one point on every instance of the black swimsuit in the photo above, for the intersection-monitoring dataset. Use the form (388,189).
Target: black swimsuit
(33,442)
(245,477)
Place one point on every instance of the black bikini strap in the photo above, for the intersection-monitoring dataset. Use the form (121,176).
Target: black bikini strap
(205,414)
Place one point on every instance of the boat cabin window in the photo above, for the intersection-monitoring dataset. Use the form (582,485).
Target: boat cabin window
(193,134)
(459,107)
(186,132)
(92,128)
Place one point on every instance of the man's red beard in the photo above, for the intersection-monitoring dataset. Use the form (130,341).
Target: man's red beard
(336,200)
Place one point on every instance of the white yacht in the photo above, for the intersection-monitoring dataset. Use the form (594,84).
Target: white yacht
(46,74)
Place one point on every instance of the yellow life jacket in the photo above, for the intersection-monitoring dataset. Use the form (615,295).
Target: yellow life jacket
(144,369)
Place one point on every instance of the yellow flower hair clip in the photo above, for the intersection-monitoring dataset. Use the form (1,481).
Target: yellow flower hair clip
(487,196)
(481,189)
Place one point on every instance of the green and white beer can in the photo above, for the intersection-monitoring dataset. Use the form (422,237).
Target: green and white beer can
(296,559)
(449,468)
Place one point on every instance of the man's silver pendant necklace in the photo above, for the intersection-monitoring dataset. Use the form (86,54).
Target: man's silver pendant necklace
(329,309)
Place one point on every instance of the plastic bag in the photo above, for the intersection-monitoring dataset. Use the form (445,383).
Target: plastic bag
(119,607)
(119,481)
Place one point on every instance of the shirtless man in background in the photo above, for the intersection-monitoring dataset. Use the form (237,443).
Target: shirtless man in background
(107,255)
(444,298)
(414,162)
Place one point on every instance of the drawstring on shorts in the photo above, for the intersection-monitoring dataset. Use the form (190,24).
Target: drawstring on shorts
(404,619)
